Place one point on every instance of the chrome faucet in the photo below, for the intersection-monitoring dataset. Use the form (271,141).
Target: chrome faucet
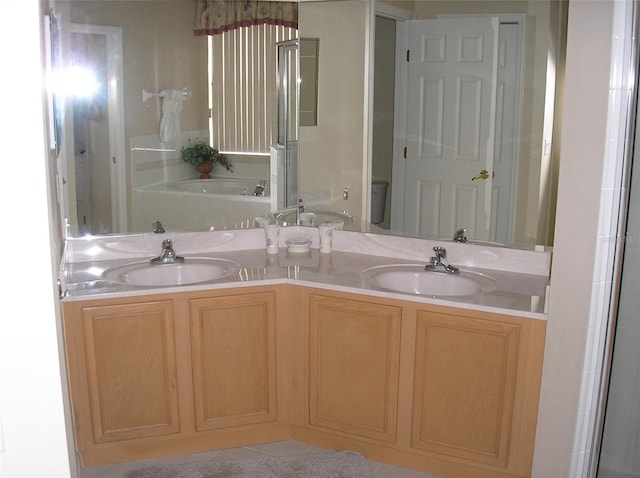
(157,228)
(259,191)
(440,263)
(459,236)
(168,255)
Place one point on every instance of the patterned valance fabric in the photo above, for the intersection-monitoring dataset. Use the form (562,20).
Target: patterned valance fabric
(217,16)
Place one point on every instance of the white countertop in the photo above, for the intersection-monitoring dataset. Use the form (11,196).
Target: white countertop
(522,276)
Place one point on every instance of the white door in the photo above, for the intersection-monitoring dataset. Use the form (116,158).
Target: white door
(507,138)
(451,99)
(103,131)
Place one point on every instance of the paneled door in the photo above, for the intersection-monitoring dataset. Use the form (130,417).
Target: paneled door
(128,352)
(234,360)
(465,383)
(451,116)
(353,366)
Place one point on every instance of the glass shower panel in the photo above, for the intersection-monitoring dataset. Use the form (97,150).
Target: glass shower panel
(288,94)
(620,449)
(617,442)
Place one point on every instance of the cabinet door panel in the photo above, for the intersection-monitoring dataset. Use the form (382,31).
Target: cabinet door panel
(465,379)
(354,357)
(234,360)
(131,370)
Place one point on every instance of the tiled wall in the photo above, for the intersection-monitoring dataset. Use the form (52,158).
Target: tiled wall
(154,162)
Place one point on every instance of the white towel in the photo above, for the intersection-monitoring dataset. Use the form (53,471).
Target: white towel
(171,106)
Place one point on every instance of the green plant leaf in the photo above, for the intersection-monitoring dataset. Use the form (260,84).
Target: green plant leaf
(199,152)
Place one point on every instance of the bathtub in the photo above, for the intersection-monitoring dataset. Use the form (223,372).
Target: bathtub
(198,204)
(240,187)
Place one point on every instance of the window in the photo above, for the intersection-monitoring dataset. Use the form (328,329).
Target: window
(243,79)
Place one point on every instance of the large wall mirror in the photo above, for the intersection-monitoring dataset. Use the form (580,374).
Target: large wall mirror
(354,149)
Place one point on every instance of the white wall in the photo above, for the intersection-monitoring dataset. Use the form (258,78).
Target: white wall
(31,407)
(332,152)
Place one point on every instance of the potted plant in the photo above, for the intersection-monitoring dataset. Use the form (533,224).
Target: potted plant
(203,157)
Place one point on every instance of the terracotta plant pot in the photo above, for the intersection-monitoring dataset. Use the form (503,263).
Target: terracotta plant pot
(204,169)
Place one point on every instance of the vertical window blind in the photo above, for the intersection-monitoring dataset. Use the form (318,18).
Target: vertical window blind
(243,82)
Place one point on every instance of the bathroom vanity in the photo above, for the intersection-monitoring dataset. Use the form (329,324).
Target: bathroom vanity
(304,349)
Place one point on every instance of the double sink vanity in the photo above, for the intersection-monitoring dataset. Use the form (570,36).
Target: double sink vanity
(360,348)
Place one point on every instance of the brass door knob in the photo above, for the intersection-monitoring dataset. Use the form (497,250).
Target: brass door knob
(484,174)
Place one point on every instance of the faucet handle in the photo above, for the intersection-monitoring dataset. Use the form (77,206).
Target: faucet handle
(439,262)
(260,188)
(459,235)
(157,227)
(168,255)
(441,252)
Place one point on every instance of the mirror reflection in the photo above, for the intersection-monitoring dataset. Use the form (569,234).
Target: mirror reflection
(351,155)
(168,83)
(447,145)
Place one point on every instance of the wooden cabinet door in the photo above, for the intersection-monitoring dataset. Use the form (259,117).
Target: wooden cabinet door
(354,348)
(130,356)
(464,387)
(234,360)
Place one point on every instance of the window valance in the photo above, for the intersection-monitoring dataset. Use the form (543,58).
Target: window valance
(217,16)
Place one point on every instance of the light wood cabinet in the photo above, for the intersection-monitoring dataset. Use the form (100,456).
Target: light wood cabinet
(476,388)
(464,386)
(448,391)
(233,348)
(127,354)
(172,373)
(354,363)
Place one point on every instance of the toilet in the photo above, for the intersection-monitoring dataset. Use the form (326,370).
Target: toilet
(378,200)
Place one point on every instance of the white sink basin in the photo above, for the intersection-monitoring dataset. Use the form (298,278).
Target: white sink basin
(191,271)
(414,279)
(314,218)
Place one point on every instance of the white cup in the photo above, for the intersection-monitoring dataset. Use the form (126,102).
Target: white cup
(272,267)
(272,233)
(326,237)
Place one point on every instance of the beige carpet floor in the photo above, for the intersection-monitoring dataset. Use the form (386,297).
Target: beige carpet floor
(344,464)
